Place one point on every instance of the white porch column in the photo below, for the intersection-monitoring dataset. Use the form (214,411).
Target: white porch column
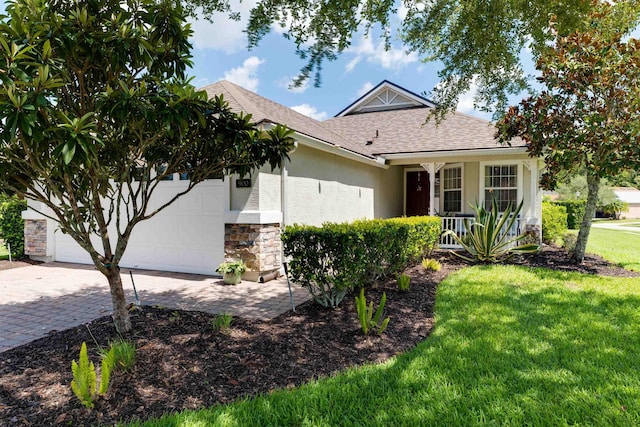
(532,213)
(432,168)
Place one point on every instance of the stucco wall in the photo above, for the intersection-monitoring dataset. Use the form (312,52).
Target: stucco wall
(634,212)
(245,198)
(389,196)
(324,187)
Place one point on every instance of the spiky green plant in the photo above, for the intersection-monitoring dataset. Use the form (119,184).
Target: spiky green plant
(84,378)
(431,264)
(404,282)
(368,320)
(487,238)
(108,364)
(222,322)
(125,354)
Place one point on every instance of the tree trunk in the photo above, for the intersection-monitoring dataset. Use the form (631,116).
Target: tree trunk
(120,313)
(593,182)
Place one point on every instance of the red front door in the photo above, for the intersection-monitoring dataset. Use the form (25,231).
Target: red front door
(417,193)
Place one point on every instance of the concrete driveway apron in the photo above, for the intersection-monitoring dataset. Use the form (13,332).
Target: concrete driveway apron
(37,299)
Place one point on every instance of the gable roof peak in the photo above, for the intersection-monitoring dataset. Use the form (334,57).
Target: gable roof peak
(384,97)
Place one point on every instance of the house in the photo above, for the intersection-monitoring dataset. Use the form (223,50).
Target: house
(377,158)
(630,196)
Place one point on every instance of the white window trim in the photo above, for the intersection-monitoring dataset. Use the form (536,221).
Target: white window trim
(518,164)
(442,190)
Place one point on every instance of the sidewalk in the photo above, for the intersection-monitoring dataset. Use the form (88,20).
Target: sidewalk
(621,226)
(37,299)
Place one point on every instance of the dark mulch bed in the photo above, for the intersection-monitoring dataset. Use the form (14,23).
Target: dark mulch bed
(558,259)
(182,363)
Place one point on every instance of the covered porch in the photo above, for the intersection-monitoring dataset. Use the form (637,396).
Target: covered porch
(449,187)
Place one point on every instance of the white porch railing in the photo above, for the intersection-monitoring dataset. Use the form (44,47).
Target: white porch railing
(457,225)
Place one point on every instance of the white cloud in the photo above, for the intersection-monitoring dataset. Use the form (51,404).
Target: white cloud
(364,89)
(465,101)
(287,83)
(224,33)
(392,59)
(311,111)
(246,75)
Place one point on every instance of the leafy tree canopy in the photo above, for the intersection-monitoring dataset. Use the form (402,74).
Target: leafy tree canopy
(476,41)
(576,188)
(96,111)
(588,116)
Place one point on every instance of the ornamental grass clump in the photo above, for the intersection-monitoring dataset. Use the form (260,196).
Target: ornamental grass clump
(124,354)
(487,236)
(404,282)
(431,264)
(222,322)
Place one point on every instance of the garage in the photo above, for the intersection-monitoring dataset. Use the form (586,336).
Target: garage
(188,236)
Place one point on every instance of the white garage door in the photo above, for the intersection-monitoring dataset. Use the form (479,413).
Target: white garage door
(188,236)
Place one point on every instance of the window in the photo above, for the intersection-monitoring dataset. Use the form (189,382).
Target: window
(452,189)
(501,184)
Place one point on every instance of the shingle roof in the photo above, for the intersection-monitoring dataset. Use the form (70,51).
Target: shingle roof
(405,131)
(265,110)
(391,132)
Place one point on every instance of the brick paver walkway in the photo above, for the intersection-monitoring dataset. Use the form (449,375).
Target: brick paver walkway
(35,300)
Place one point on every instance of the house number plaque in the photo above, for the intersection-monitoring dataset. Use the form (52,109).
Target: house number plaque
(243,183)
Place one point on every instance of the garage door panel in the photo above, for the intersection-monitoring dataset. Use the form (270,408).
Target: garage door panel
(185,237)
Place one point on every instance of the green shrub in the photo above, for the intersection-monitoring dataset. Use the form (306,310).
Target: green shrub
(383,246)
(486,237)
(12,225)
(575,212)
(368,320)
(222,322)
(554,222)
(431,264)
(328,261)
(424,235)
(404,282)
(334,259)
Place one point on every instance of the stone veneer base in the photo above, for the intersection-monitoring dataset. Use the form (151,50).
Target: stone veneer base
(35,237)
(258,245)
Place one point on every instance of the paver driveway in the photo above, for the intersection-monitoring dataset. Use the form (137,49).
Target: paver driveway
(37,299)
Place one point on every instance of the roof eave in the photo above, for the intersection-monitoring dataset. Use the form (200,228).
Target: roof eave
(327,147)
(454,153)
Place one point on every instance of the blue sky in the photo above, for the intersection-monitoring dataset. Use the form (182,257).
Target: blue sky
(220,52)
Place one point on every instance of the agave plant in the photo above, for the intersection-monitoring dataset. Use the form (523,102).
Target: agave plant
(487,236)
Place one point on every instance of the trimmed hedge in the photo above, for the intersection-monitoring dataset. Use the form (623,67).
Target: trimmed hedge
(12,225)
(575,212)
(424,235)
(333,259)
(554,222)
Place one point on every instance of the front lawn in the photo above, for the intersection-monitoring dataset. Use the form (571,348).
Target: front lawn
(511,346)
(4,252)
(617,246)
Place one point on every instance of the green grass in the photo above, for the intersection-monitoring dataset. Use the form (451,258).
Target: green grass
(512,346)
(619,247)
(4,253)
